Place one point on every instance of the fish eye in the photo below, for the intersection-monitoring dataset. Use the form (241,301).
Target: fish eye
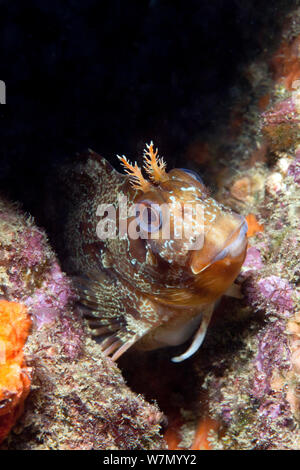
(193,174)
(149,216)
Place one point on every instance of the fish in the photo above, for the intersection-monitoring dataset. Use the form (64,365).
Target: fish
(155,283)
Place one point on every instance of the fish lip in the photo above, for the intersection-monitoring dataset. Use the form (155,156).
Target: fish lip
(242,231)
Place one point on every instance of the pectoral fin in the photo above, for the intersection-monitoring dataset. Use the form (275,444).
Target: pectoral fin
(117,317)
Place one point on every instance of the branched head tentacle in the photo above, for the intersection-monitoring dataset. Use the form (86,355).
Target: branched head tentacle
(136,177)
(154,166)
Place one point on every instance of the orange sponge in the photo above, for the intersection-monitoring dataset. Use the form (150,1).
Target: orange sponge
(14,376)
(253,225)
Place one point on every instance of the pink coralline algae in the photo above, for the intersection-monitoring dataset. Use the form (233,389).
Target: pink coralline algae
(272,353)
(25,256)
(283,112)
(294,169)
(272,291)
(32,253)
(278,292)
(52,298)
(253,260)
(281,125)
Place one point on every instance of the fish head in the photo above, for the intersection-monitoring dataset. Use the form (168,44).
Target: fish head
(186,244)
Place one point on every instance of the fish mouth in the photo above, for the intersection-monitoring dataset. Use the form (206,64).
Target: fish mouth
(237,246)
(234,247)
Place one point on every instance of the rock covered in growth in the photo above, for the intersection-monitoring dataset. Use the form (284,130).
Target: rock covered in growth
(249,367)
(294,168)
(78,399)
(281,124)
(82,403)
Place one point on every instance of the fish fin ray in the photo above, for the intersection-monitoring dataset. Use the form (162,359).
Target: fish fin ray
(115,345)
(198,338)
(114,314)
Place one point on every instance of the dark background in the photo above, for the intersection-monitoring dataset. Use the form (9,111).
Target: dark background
(112,75)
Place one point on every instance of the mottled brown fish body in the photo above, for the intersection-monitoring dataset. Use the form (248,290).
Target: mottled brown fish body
(151,291)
